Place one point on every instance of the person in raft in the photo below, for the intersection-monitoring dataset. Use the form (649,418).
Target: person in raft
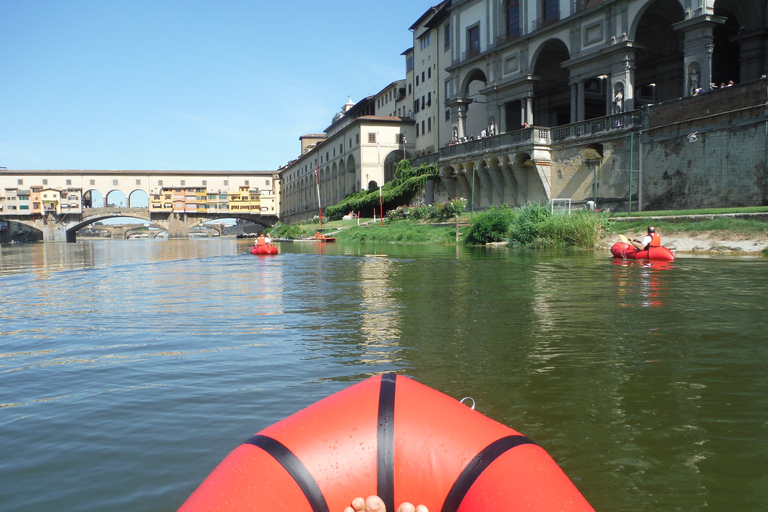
(260,240)
(651,240)
(375,504)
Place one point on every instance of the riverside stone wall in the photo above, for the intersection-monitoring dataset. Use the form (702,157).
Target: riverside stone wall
(706,151)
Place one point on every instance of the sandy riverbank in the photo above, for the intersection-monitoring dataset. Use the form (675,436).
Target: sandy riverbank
(707,242)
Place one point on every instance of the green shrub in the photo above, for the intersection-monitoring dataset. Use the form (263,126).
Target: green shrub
(439,212)
(524,230)
(291,231)
(407,183)
(491,225)
(536,227)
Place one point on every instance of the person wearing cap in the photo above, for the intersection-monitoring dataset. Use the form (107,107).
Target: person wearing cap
(651,240)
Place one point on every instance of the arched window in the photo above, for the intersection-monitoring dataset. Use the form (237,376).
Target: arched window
(551,10)
(513,19)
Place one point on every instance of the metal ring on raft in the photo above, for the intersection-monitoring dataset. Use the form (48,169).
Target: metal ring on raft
(469,398)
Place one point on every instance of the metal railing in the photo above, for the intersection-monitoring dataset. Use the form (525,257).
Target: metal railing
(546,135)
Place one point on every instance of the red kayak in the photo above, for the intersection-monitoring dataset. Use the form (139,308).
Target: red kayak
(264,249)
(627,251)
(395,438)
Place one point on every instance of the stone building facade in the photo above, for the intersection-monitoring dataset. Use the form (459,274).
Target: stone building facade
(568,87)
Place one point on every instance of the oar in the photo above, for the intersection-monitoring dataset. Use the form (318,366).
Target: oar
(624,239)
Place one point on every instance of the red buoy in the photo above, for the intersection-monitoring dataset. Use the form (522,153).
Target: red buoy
(398,439)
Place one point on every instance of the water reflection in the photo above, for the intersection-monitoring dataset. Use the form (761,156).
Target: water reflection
(379,308)
(646,383)
(646,278)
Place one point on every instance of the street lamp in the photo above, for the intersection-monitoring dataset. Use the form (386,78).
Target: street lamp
(404,157)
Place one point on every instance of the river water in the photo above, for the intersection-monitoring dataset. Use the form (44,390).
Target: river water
(129,369)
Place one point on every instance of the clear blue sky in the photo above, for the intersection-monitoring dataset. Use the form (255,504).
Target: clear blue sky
(186,84)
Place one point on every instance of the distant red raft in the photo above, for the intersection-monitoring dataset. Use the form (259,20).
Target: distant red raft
(398,439)
(264,249)
(630,252)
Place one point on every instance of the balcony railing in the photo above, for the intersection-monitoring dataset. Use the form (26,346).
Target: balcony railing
(544,21)
(470,54)
(622,121)
(545,135)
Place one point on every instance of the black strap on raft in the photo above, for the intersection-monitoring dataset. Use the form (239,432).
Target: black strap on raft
(295,468)
(385,438)
(476,466)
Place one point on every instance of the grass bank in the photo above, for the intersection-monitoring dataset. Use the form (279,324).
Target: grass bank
(533,226)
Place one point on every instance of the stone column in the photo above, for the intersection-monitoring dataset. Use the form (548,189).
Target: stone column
(497,184)
(486,187)
(574,97)
(623,73)
(697,48)
(529,110)
(510,184)
(752,57)
(462,111)
(580,114)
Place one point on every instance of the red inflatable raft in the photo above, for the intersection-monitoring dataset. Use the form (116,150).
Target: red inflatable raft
(630,252)
(398,439)
(264,249)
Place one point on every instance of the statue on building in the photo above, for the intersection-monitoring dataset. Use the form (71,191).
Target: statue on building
(693,80)
(618,102)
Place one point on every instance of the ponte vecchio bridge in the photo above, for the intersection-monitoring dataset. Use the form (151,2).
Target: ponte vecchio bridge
(60,202)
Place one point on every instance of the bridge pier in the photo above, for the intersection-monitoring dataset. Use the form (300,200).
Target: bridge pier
(54,232)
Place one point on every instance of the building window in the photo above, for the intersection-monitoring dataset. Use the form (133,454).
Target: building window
(21,182)
(513,18)
(226,183)
(447,36)
(409,64)
(247,183)
(448,115)
(422,127)
(473,40)
(205,183)
(426,40)
(114,183)
(409,88)
(551,10)
(422,102)
(417,79)
(417,129)
(429,99)
(69,182)
(371,137)
(45,181)
(429,72)
(357,139)
(422,76)
(183,183)
(159,183)
(138,182)
(266,182)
